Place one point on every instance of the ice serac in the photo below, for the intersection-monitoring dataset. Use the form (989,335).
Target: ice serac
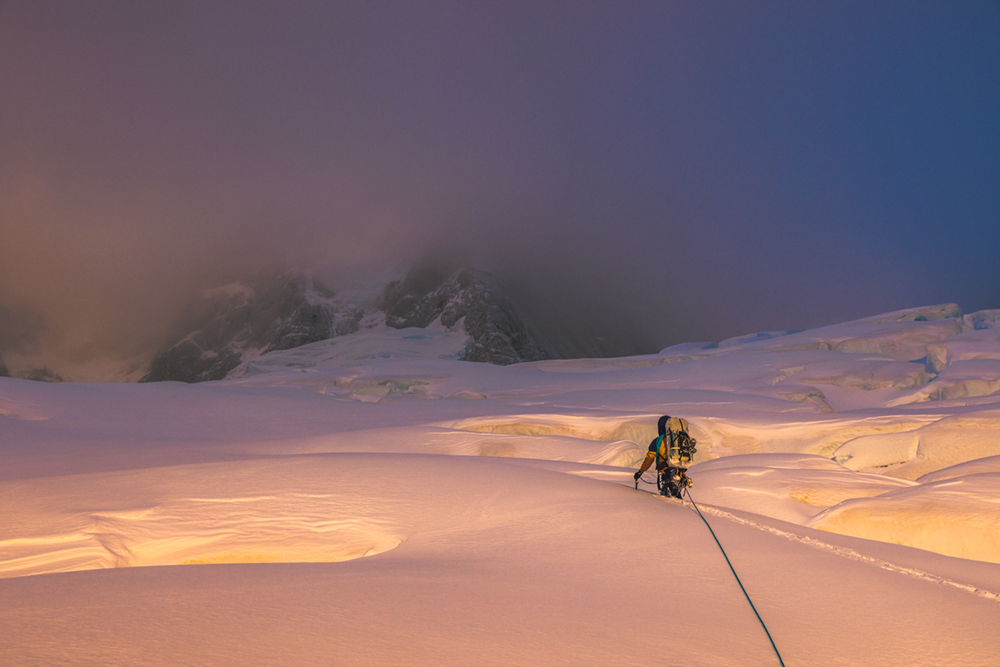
(498,333)
(754,337)
(903,334)
(983,319)
(942,311)
(230,324)
(981,343)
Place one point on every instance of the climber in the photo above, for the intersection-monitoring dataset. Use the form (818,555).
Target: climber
(672,450)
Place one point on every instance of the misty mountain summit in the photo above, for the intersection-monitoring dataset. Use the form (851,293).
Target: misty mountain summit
(42,374)
(228,325)
(498,333)
(37,374)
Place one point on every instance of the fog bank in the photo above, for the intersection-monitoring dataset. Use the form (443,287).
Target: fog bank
(655,172)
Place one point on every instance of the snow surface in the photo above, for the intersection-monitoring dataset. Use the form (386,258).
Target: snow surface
(371,501)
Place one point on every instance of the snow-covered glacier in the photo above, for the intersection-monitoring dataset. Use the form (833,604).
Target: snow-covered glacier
(374,497)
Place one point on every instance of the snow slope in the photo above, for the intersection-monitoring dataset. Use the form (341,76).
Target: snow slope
(367,501)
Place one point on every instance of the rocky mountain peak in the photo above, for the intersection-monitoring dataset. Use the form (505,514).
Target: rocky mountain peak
(226,325)
(499,334)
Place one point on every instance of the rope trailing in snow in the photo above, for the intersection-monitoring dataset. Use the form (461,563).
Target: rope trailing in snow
(646,481)
(688,492)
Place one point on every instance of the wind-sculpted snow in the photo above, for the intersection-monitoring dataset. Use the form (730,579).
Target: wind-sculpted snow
(947,441)
(957,517)
(594,428)
(905,341)
(961,379)
(977,344)
(497,564)
(247,512)
(377,343)
(787,487)
(943,311)
(371,499)
(983,319)
(985,464)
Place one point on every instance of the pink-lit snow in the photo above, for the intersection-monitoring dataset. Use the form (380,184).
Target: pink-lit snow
(368,502)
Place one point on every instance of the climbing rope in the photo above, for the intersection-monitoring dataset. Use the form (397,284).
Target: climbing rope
(645,481)
(688,492)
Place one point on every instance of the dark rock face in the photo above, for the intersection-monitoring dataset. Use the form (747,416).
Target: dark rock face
(499,335)
(230,323)
(41,375)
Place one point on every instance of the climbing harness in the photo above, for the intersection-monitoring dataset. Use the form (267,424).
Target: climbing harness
(683,481)
(747,595)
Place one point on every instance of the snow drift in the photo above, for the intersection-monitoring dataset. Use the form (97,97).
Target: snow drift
(371,499)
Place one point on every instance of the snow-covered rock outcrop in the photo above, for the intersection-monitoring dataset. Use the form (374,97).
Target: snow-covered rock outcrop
(230,324)
(39,374)
(498,333)
(42,374)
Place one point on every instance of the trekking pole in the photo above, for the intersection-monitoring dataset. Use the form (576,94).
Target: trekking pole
(733,570)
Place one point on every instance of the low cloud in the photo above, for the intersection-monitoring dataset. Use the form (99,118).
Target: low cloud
(650,173)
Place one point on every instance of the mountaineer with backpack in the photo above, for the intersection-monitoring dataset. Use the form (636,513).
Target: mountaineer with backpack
(672,450)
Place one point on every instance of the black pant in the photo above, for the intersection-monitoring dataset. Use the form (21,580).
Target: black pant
(668,484)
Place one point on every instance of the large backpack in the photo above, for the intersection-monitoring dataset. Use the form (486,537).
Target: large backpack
(676,445)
